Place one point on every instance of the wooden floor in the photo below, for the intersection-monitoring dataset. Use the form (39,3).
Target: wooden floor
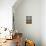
(9,43)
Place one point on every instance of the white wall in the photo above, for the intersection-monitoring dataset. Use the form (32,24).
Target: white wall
(6,13)
(29,8)
(43,22)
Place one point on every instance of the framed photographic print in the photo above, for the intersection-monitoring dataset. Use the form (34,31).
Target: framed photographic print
(28,19)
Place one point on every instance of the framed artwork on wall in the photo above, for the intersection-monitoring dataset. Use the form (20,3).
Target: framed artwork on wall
(28,19)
